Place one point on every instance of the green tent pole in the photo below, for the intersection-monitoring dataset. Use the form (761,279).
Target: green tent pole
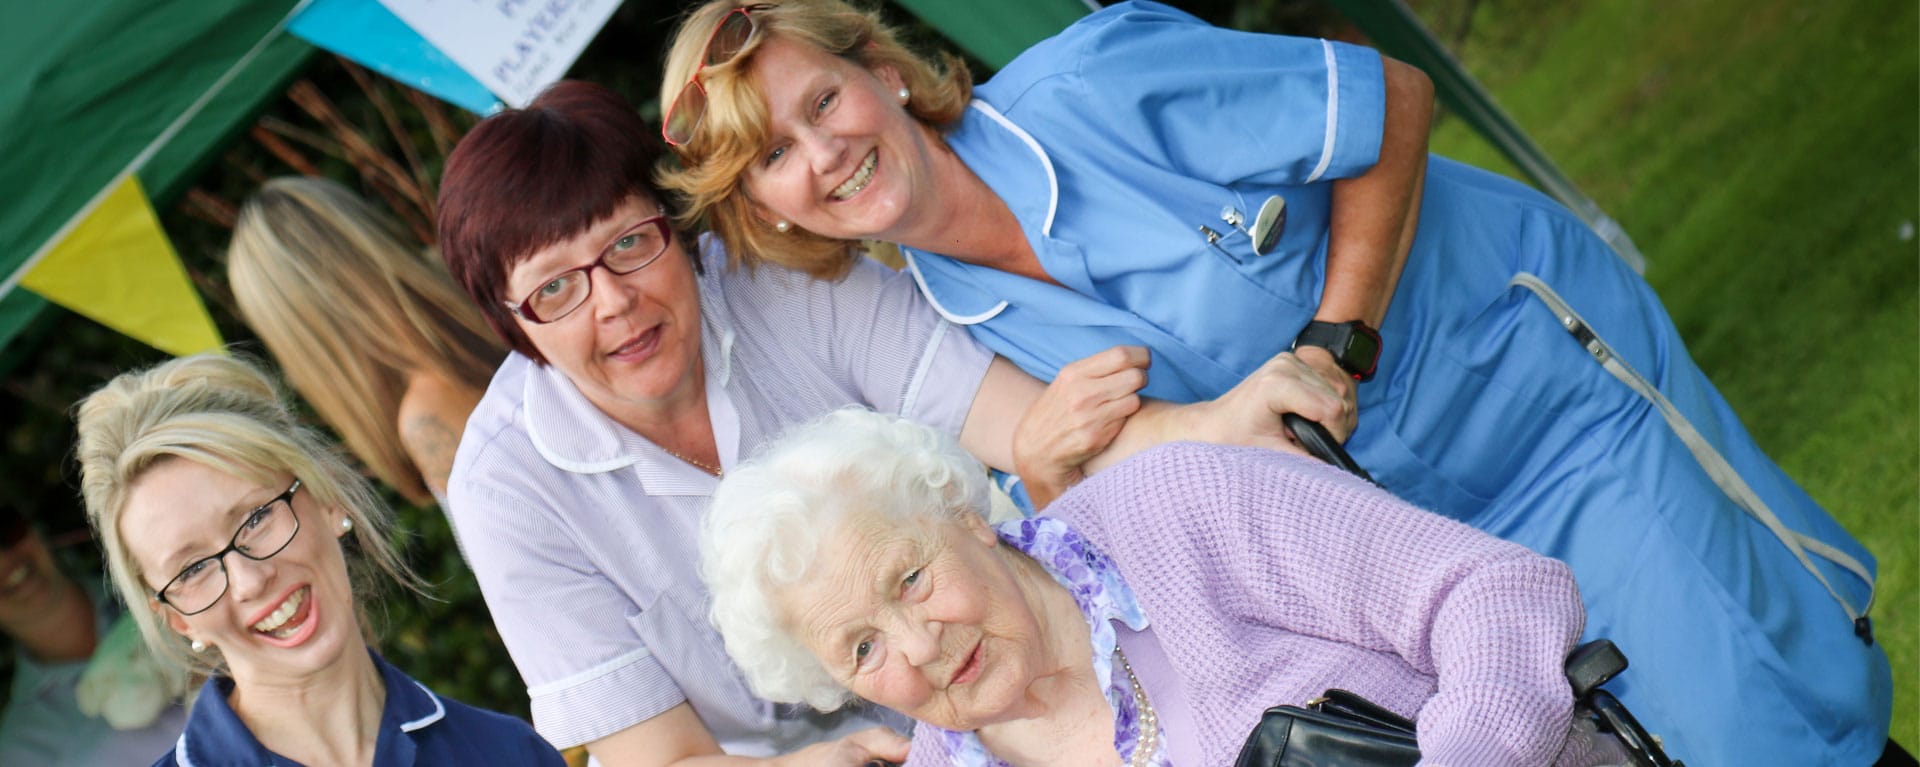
(1398,32)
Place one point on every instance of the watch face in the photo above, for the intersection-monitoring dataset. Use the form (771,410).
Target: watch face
(1354,345)
(1363,349)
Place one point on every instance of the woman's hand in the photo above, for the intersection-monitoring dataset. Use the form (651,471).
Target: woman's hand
(1342,420)
(1248,414)
(1092,415)
(855,750)
(1076,418)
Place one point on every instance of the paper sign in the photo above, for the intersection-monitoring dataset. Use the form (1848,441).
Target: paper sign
(514,47)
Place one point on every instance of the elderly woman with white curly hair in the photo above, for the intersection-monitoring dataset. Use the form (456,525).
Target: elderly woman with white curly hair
(1148,618)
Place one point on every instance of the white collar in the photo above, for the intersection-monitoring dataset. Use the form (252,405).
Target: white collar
(574,435)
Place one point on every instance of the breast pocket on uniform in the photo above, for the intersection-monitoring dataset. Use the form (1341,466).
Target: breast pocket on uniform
(676,629)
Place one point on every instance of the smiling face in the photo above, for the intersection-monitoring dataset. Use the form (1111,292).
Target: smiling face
(928,622)
(844,159)
(284,617)
(635,343)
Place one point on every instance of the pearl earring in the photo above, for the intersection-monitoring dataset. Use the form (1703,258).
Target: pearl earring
(346,524)
(904,95)
(198,646)
(782,226)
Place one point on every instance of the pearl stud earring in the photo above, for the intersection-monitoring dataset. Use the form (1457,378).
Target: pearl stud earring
(346,524)
(904,95)
(198,646)
(782,226)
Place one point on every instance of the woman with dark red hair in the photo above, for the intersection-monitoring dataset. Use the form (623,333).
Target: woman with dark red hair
(642,368)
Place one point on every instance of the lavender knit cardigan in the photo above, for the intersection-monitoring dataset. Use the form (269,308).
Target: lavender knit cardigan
(1267,578)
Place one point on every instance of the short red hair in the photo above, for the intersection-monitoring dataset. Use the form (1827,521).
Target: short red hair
(525,179)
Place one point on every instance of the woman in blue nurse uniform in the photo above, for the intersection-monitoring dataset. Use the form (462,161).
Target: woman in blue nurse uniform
(1102,190)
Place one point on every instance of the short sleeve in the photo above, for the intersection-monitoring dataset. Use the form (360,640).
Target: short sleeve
(568,627)
(1216,104)
(907,358)
(876,335)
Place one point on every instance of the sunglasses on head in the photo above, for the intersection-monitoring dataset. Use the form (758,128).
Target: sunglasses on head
(729,38)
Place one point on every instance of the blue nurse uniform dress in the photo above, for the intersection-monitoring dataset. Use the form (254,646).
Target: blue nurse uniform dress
(1531,384)
(417,727)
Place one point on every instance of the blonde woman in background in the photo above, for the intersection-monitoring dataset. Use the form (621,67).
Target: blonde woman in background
(243,539)
(369,330)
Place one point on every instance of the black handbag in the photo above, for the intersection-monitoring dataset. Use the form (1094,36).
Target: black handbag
(1340,728)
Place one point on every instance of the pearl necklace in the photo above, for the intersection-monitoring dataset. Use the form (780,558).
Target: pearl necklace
(1149,721)
(714,470)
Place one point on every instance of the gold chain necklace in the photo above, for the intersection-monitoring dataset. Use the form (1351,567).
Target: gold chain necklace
(1149,721)
(714,470)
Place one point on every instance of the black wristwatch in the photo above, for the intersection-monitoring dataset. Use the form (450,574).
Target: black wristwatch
(1354,345)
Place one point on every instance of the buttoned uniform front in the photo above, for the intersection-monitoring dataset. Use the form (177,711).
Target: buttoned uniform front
(417,727)
(582,533)
(1116,140)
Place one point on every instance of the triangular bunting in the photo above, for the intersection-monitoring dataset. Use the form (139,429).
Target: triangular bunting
(117,268)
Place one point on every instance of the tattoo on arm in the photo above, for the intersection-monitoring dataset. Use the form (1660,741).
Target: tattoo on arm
(431,442)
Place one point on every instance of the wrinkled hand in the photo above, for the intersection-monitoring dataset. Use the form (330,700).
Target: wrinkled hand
(1076,418)
(854,750)
(1249,413)
(1341,421)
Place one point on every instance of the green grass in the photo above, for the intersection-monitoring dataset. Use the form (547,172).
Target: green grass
(1765,156)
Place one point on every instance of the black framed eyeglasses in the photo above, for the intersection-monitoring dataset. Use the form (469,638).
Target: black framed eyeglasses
(266,531)
(632,251)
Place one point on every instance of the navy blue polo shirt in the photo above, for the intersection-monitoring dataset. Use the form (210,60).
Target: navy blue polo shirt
(417,728)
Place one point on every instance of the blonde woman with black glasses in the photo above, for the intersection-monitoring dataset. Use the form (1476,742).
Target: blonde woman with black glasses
(242,538)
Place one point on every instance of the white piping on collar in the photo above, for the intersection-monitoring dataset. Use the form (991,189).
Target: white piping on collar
(439,711)
(1046,227)
(1053,182)
(713,317)
(913,267)
(535,373)
(1333,113)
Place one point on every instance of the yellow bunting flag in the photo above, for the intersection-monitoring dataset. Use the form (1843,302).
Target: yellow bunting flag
(117,267)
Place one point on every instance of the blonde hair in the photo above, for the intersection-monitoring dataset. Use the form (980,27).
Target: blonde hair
(350,311)
(225,414)
(735,128)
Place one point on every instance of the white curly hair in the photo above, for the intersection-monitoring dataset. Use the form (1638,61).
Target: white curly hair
(770,516)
